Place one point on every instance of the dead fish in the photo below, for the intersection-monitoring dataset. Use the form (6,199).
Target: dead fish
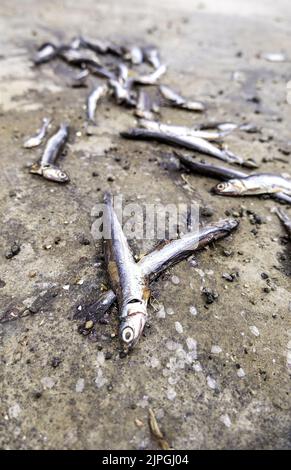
(134,54)
(100,71)
(126,279)
(150,79)
(93,99)
(211,135)
(220,172)
(80,79)
(221,126)
(122,93)
(259,183)
(151,55)
(169,254)
(286,221)
(193,143)
(143,105)
(45,53)
(47,167)
(37,139)
(122,73)
(101,46)
(79,58)
(179,101)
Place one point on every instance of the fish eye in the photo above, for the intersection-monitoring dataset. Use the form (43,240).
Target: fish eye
(221,186)
(127,334)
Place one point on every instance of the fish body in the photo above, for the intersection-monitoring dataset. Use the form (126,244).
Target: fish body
(167,255)
(93,99)
(286,221)
(79,58)
(193,143)
(45,53)
(211,135)
(143,106)
(179,101)
(122,73)
(122,93)
(208,169)
(150,79)
(37,139)
(134,54)
(151,55)
(50,172)
(126,279)
(54,145)
(80,79)
(259,183)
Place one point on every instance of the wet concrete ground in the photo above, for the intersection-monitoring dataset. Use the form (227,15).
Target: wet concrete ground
(64,390)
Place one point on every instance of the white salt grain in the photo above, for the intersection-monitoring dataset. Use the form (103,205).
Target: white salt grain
(80,385)
(193,310)
(14,411)
(178,327)
(211,382)
(225,419)
(47,382)
(216,349)
(255,330)
(171,394)
(240,372)
(175,280)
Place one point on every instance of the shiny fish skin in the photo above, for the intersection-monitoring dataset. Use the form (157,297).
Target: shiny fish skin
(193,143)
(80,79)
(54,145)
(168,255)
(179,101)
(151,55)
(78,58)
(93,99)
(150,79)
(37,139)
(122,73)
(211,135)
(286,221)
(126,279)
(45,53)
(134,54)
(122,93)
(143,106)
(259,183)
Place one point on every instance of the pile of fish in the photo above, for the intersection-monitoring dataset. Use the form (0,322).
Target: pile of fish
(117,65)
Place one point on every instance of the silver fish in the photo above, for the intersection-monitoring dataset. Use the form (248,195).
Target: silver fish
(126,279)
(80,79)
(221,126)
(37,139)
(93,99)
(134,54)
(179,101)
(47,167)
(150,79)
(166,256)
(193,143)
(259,183)
(122,73)
(101,46)
(211,135)
(45,53)
(143,106)
(286,221)
(122,93)
(79,58)
(151,55)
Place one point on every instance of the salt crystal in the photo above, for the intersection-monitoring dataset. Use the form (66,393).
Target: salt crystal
(173,380)
(178,327)
(171,394)
(216,349)
(255,330)
(100,358)
(225,419)
(155,362)
(193,310)
(143,403)
(161,313)
(66,287)
(100,380)
(14,411)
(197,367)
(47,382)
(240,372)
(80,385)
(170,311)
(211,382)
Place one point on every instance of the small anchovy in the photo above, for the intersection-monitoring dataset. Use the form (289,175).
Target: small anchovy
(126,279)
(169,254)
(150,79)
(100,71)
(259,183)
(221,126)
(134,54)
(182,130)
(79,59)
(220,172)
(37,139)
(80,79)
(179,101)
(286,221)
(93,99)
(47,167)
(45,53)
(122,73)
(151,55)
(122,93)
(143,106)
(193,143)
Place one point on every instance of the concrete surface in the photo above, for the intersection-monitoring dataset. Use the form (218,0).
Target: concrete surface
(58,390)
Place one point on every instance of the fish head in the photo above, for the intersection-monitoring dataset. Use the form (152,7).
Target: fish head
(133,320)
(54,173)
(231,187)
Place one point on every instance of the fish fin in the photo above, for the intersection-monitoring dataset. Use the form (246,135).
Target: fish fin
(36,169)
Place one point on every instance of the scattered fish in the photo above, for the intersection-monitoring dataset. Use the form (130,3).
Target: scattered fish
(259,183)
(286,221)
(93,99)
(37,139)
(45,53)
(47,167)
(179,101)
(193,143)
(126,279)
(167,255)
